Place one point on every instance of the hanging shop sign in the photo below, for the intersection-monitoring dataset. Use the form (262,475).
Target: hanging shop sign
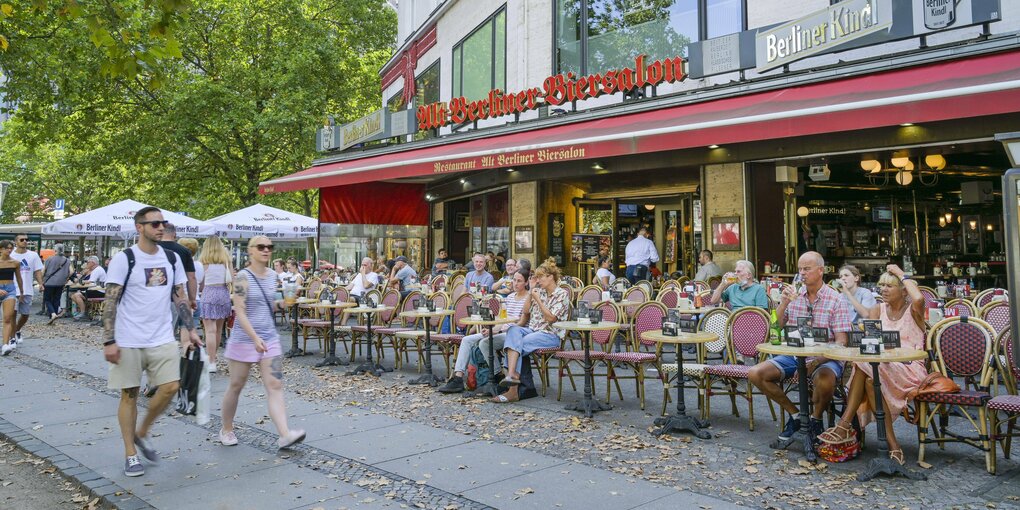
(556,227)
(839,27)
(378,125)
(555,90)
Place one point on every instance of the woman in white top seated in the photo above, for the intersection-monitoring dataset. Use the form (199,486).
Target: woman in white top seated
(514,303)
(215,290)
(604,277)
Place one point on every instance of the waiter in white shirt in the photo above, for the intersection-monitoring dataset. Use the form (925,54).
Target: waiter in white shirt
(639,254)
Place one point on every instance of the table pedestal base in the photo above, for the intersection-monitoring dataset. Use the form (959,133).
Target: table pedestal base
(368,368)
(332,361)
(804,438)
(486,390)
(429,379)
(682,423)
(588,406)
(294,352)
(889,467)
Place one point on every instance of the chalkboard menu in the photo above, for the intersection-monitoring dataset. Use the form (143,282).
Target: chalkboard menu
(557,250)
(586,247)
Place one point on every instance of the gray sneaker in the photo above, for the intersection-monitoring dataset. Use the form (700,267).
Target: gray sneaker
(147,450)
(133,466)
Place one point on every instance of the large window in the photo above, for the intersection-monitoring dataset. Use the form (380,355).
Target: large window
(593,36)
(426,87)
(479,60)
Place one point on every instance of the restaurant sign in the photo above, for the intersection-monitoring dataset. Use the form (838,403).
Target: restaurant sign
(821,31)
(555,90)
(369,127)
(842,26)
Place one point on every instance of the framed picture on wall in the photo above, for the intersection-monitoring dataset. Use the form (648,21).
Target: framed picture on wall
(462,222)
(524,239)
(726,233)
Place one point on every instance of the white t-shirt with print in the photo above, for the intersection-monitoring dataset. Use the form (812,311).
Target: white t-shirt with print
(98,276)
(144,318)
(30,263)
(359,283)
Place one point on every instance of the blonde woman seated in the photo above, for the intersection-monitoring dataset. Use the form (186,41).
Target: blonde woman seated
(902,311)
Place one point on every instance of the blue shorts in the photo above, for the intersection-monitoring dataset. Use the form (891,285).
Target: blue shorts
(788,365)
(11,289)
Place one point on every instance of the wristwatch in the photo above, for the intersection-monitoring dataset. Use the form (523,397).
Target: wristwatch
(109,342)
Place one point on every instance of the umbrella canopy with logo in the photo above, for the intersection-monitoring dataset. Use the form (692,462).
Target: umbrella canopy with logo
(118,220)
(262,220)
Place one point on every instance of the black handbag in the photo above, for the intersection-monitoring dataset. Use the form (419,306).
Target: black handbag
(191,373)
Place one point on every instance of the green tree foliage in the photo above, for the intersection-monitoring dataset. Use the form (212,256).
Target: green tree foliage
(196,132)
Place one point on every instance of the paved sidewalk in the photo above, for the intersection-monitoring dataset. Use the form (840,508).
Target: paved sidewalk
(55,404)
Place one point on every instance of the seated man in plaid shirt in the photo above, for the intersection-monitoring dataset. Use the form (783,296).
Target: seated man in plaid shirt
(828,310)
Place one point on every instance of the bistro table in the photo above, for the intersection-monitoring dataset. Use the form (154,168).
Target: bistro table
(294,349)
(805,435)
(368,367)
(73,287)
(681,421)
(428,377)
(329,358)
(489,388)
(587,405)
(882,464)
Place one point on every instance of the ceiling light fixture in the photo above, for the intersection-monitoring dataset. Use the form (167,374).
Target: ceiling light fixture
(713,146)
(597,166)
(907,124)
(949,217)
(900,162)
(463,181)
(904,178)
(935,161)
(989,227)
(871,165)
(803,212)
(650,207)
(973,224)
(509,169)
(942,221)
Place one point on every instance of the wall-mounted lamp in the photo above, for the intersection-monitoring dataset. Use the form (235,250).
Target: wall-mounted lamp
(949,217)
(803,212)
(989,227)
(942,221)
(973,224)
(650,207)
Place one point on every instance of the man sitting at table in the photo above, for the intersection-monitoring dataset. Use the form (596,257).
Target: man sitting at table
(96,280)
(745,291)
(708,267)
(365,280)
(828,310)
(505,285)
(403,276)
(479,278)
(442,263)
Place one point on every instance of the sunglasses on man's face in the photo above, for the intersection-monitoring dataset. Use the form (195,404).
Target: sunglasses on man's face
(22,240)
(263,247)
(155,223)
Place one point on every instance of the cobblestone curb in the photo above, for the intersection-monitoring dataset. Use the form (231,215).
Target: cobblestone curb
(367,477)
(87,480)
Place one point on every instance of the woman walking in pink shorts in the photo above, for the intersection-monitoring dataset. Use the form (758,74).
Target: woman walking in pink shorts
(254,339)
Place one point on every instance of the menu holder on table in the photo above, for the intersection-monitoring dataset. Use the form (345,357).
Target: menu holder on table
(595,316)
(688,325)
(670,327)
(430,305)
(485,313)
(616,296)
(793,338)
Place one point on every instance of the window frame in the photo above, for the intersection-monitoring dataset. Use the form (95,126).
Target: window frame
(437,64)
(456,65)
(583,21)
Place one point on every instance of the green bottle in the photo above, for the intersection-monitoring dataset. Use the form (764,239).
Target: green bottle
(775,336)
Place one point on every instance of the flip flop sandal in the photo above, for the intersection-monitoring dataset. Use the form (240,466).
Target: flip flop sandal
(506,382)
(833,435)
(501,399)
(896,455)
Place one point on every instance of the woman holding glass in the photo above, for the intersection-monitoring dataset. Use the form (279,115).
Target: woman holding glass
(902,311)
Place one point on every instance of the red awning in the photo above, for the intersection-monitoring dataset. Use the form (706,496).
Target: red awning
(973,87)
(374,203)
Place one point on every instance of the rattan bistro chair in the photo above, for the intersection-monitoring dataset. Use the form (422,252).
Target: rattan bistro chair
(1008,404)
(962,347)
(746,328)
(647,318)
(601,343)
(715,321)
(997,314)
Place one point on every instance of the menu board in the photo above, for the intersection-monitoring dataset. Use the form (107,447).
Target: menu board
(556,228)
(586,247)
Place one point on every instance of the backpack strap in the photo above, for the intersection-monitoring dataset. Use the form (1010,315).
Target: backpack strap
(130,254)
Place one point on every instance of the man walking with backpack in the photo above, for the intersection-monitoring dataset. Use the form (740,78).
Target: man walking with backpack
(143,283)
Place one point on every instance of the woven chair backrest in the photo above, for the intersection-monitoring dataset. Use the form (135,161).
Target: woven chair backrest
(668,297)
(962,346)
(460,309)
(963,307)
(591,294)
(747,328)
(984,297)
(715,321)
(341,294)
(438,283)
(570,290)
(648,317)
(610,313)
(645,284)
(929,294)
(997,314)
(700,286)
(408,304)
(668,284)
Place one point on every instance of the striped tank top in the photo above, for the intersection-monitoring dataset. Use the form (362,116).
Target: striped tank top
(258,306)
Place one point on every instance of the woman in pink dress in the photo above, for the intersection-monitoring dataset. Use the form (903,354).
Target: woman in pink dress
(898,313)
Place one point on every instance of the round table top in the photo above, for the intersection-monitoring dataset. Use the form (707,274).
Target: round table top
(345,304)
(437,313)
(366,309)
(575,326)
(700,337)
(302,301)
(692,311)
(622,302)
(819,349)
(481,322)
(81,285)
(887,356)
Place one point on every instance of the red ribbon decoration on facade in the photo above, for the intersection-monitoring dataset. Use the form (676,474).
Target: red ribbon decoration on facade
(405,66)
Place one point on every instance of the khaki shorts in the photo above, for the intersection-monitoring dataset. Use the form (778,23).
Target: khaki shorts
(162,363)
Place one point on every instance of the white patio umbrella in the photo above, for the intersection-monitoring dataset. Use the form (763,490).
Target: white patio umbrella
(262,220)
(118,220)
